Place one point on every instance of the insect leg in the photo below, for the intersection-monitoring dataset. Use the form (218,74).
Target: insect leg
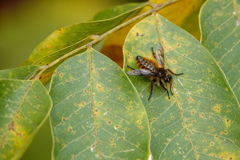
(153,51)
(130,67)
(164,88)
(176,74)
(152,82)
(170,81)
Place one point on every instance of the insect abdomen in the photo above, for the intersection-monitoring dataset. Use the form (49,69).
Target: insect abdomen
(145,63)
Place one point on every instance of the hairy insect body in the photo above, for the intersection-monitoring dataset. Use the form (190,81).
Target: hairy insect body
(157,73)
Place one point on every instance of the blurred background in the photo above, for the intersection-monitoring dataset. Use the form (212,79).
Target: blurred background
(24,24)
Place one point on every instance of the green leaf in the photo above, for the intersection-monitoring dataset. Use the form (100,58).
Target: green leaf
(96,111)
(117,10)
(24,72)
(69,38)
(65,40)
(201,120)
(24,106)
(220,28)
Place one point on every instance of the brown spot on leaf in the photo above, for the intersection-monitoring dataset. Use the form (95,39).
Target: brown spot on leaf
(83,102)
(12,127)
(202,115)
(139,122)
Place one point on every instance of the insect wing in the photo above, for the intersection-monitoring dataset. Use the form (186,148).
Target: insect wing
(140,72)
(159,55)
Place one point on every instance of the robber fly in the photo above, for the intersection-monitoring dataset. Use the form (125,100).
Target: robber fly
(157,74)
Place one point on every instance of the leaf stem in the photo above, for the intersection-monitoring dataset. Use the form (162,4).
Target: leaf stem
(104,35)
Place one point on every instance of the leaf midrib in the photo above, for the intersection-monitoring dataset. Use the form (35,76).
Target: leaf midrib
(92,101)
(178,105)
(14,114)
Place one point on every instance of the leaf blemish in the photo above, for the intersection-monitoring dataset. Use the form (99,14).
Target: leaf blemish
(180,82)
(193,112)
(99,88)
(80,61)
(70,128)
(220,63)
(139,122)
(189,99)
(216,109)
(93,146)
(83,102)
(96,112)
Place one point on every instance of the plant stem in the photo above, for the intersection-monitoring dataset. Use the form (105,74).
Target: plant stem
(104,35)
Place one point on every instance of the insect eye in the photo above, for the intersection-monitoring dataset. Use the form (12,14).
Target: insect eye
(166,79)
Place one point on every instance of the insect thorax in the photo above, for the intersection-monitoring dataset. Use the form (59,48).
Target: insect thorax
(161,72)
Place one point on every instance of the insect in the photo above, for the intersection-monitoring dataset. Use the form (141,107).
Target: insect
(157,74)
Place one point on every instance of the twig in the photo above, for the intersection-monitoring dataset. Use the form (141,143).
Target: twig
(104,35)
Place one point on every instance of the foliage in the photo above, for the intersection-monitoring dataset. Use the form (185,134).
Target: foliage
(100,112)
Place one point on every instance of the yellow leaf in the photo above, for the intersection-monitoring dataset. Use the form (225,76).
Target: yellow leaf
(176,13)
